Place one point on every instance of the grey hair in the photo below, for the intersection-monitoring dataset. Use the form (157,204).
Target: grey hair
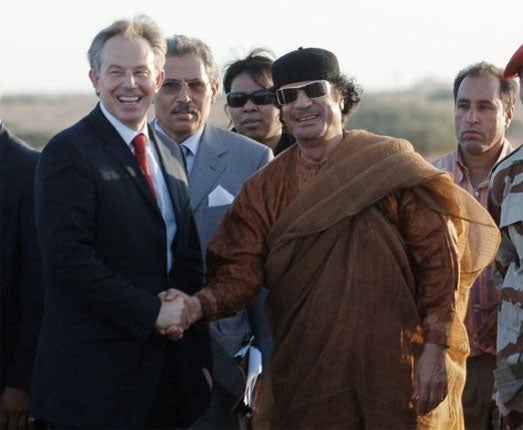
(179,45)
(140,26)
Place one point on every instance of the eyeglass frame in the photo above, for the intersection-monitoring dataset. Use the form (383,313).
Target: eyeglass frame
(189,84)
(280,92)
(262,92)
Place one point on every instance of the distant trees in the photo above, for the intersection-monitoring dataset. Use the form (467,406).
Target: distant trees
(424,115)
(424,120)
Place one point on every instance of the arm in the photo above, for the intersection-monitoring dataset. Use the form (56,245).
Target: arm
(432,244)
(14,400)
(236,256)
(29,284)
(87,264)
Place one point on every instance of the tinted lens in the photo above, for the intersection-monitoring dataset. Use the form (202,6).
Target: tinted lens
(259,97)
(262,97)
(286,95)
(174,86)
(236,100)
(312,90)
(171,86)
(316,89)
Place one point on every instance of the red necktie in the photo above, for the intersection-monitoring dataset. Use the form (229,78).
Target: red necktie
(139,142)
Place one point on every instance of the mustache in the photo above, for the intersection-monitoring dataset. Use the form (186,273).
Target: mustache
(183,108)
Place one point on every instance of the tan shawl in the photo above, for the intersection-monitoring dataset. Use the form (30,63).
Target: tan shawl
(342,296)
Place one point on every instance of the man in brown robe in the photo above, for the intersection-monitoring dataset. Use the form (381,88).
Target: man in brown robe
(368,252)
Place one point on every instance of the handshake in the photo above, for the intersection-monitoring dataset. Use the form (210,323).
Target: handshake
(178,312)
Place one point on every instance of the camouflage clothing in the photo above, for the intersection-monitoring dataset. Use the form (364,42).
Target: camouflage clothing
(506,206)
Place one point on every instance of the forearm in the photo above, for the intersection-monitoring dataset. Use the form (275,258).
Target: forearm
(432,242)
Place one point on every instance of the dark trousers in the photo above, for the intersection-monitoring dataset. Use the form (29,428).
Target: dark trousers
(479,408)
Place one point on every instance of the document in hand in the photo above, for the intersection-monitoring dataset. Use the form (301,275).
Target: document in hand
(254,368)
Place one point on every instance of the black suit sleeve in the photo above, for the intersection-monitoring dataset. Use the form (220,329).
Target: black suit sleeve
(22,281)
(70,207)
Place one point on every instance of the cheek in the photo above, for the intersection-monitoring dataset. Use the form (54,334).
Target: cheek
(162,105)
(269,114)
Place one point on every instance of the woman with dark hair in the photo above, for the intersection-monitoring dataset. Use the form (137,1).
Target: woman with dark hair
(251,103)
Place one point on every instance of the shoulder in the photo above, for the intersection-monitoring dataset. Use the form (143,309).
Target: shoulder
(87,129)
(276,169)
(513,161)
(447,161)
(15,150)
(235,142)
(233,137)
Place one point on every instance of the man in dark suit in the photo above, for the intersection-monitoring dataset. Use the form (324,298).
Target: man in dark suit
(116,229)
(21,281)
(219,162)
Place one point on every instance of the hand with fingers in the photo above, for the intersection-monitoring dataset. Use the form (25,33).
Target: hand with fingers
(184,309)
(431,382)
(14,410)
(173,318)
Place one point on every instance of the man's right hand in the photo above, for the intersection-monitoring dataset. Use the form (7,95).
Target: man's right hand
(193,307)
(173,317)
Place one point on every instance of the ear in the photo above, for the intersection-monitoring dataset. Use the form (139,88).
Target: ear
(215,86)
(159,80)
(509,113)
(93,76)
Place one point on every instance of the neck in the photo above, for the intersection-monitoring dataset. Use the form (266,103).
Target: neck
(272,141)
(318,151)
(479,166)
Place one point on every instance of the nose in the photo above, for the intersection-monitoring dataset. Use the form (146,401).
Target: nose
(250,105)
(183,94)
(302,100)
(472,116)
(129,81)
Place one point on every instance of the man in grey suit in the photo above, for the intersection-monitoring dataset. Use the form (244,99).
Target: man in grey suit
(218,162)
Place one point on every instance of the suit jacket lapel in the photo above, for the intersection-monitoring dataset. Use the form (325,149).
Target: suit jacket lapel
(171,162)
(208,166)
(118,149)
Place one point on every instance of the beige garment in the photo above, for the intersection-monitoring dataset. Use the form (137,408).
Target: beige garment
(348,283)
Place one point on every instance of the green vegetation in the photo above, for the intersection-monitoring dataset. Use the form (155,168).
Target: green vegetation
(428,125)
(423,115)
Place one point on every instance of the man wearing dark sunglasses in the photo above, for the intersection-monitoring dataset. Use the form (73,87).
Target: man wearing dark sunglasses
(218,162)
(367,253)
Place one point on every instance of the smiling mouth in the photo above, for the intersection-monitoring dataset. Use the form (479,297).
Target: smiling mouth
(306,118)
(129,100)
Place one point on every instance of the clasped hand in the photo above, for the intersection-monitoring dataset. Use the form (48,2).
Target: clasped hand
(177,312)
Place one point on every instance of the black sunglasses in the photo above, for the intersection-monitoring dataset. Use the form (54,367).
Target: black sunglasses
(313,90)
(258,97)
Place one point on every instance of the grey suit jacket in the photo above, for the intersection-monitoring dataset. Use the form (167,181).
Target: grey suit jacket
(225,160)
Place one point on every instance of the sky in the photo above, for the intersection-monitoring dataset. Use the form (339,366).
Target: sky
(385,45)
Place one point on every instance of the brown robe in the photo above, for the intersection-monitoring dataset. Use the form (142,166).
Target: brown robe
(363,257)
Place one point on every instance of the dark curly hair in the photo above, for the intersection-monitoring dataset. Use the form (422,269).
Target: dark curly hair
(349,92)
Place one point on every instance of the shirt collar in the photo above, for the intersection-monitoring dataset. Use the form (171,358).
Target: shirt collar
(192,142)
(127,133)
